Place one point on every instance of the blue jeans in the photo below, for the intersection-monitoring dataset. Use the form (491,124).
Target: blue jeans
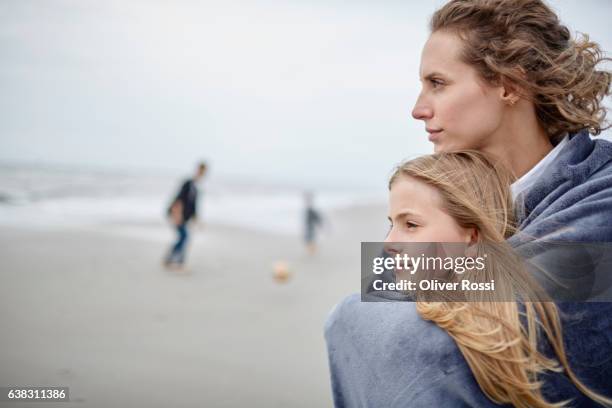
(177,253)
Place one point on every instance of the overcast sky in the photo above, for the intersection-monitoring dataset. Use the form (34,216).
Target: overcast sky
(294,91)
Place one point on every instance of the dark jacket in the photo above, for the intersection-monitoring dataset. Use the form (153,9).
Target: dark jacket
(384,355)
(188,197)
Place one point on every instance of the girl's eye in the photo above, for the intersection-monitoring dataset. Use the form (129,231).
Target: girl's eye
(411,225)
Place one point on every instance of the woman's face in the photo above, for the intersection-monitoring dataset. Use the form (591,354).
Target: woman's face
(417,214)
(459,109)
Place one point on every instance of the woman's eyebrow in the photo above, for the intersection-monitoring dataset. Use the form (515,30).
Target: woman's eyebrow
(432,75)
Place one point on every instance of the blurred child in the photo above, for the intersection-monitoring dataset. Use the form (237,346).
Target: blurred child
(312,221)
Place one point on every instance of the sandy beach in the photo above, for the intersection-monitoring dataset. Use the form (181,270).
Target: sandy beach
(91,308)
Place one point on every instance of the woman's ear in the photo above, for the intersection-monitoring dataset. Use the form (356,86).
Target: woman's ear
(508,95)
(509,92)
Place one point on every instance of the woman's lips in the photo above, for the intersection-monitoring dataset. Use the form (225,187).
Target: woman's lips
(434,134)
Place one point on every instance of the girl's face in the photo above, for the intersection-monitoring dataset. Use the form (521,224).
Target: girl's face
(459,109)
(417,214)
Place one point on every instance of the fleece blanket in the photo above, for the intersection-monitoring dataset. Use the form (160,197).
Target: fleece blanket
(384,355)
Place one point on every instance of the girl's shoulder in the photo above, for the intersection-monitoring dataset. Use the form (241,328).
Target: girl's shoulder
(392,335)
(385,354)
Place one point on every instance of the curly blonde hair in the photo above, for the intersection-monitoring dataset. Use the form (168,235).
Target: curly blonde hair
(523,44)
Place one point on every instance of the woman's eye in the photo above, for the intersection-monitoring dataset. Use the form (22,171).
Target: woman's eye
(411,225)
(436,83)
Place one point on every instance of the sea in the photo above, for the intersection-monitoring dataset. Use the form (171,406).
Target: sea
(54,196)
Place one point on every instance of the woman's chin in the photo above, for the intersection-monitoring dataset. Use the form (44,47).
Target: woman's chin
(440,148)
(445,147)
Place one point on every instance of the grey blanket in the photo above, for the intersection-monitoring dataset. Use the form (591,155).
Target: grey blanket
(385,355)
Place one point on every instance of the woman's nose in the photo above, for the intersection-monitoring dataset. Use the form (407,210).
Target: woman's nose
(421,111)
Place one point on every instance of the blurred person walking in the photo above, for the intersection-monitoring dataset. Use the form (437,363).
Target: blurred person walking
(181,211)
(312,221)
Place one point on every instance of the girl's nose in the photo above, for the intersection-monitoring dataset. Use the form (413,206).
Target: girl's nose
(390,247)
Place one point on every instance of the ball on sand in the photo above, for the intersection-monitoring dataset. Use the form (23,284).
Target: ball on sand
(280,271)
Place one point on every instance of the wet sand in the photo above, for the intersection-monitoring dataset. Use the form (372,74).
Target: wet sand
(93,309)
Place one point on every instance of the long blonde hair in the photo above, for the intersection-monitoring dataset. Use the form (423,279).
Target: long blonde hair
(501,351)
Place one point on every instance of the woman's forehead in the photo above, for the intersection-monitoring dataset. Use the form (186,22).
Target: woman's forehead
(441,55)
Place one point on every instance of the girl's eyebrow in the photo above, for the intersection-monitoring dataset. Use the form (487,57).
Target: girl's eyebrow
(406,213)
